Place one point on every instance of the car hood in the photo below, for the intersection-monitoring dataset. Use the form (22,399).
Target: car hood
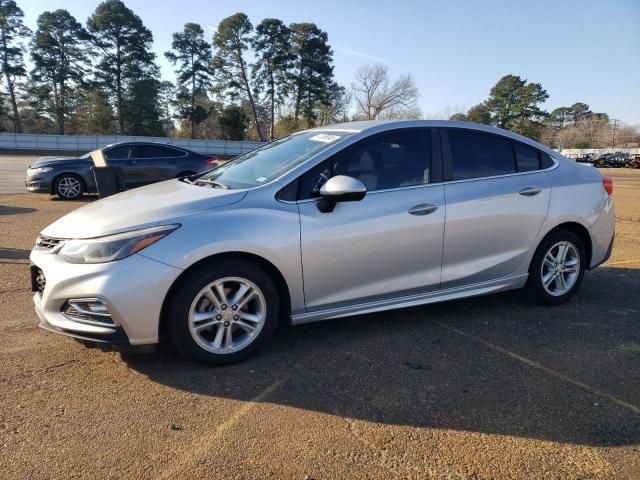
(148,206)
(53,161)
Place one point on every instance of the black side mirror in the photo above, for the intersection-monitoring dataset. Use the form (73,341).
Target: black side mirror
(340,188)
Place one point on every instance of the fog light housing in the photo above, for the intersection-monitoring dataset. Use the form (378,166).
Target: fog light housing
(93,311)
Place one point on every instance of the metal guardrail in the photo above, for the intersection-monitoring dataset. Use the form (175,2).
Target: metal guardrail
(86,143)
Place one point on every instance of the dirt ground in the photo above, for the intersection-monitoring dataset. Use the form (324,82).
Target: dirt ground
(484,388)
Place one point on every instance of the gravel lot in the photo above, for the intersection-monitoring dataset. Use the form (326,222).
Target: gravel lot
(475,389)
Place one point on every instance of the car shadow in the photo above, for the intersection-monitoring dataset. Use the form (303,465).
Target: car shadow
(84,198)
(5,210)
(494,365)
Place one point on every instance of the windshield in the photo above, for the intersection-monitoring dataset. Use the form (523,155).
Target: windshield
(272,160)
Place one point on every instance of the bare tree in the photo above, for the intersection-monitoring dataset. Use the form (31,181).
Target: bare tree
(376,96)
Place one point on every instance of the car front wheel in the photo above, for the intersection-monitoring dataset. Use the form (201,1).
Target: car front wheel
(557,268)
(222,313)
(68,187)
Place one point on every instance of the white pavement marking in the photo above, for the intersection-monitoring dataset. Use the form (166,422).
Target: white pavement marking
(544,369)
(204,443)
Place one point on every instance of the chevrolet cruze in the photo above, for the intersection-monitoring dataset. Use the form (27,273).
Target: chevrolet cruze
(326,223)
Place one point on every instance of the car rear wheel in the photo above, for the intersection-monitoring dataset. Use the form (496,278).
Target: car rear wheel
(557,269)
(68,187)
(222,313)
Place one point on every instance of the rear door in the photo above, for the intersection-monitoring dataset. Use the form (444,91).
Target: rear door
(157,163)
(497,197)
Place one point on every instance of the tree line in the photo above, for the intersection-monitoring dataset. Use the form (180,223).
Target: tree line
(102,77)
(243,82)
(516,104)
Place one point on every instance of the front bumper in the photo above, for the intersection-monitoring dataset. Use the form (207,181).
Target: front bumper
(134,290)
(38,184)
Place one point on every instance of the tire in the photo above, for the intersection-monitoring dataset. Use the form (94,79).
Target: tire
(68,186)
(199,338)
(562,278)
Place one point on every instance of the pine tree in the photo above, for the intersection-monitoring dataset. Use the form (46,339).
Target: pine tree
(60,60)
(312,76)
(272,48)
(231,40)
(12,30)
(192,55)
(126,57)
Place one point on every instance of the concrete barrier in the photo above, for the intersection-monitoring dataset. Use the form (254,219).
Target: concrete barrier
(86,143)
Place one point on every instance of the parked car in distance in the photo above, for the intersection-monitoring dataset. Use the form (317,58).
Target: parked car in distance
(367,216)
(141,163)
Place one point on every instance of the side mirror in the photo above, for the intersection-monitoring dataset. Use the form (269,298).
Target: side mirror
(340,189)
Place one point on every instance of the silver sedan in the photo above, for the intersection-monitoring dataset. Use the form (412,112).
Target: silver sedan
(326,223)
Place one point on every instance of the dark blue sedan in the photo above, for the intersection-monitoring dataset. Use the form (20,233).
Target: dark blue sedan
(141,163)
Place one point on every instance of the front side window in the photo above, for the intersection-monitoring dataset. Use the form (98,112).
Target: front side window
(393,160)
(477,155)
(119,153)
(272,160)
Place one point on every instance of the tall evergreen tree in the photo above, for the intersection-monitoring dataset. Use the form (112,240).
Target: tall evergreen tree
(274,61)
(312,75)
(12,30)
(233,123)
(192,55)
(143,109)
(231,41)
(126,57)
(60,59)
(514,105)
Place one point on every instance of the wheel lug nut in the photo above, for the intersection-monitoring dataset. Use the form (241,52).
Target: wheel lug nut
(223,306)
(236,317)
(234,307)
(218,317)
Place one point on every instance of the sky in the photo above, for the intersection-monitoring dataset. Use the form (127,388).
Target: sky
(579,50)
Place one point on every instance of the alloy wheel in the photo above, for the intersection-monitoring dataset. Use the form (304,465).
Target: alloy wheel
(227,315)
(560,268)
(69,187)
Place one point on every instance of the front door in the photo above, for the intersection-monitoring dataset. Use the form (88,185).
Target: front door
(389,243)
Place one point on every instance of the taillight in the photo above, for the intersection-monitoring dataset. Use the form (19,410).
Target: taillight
(607,183)
(212,162)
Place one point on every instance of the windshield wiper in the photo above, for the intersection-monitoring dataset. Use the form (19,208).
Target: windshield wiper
(211,182)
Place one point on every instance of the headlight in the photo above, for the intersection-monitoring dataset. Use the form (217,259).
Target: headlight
(33,171)
(112,247)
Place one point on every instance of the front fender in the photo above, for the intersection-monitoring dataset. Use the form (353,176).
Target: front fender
(272,233)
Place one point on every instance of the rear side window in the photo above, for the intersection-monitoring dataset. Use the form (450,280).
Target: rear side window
(528,158)
(545,161)
(477,155)
(154,151)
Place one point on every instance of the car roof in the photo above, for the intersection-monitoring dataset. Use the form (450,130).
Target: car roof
(163,144)
(375,126)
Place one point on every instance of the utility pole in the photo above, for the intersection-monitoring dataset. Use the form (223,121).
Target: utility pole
(613,133)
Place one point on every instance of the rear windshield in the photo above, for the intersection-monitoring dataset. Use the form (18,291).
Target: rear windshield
(272,160)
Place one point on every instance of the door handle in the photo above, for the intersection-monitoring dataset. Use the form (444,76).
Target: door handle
(530,191)
(423,209)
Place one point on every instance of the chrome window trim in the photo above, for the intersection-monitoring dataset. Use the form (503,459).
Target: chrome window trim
(555,165)
(408,187)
